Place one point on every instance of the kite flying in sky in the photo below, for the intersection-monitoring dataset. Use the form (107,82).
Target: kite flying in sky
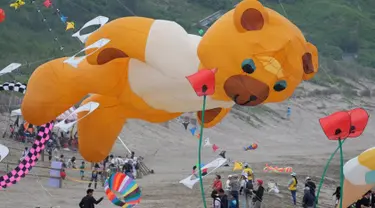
(125,72)
(2,15)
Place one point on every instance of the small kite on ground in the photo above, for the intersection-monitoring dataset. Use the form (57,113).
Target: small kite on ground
(212,166)
(275,169)
(253,146)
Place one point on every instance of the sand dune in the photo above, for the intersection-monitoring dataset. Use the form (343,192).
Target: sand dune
(172,152)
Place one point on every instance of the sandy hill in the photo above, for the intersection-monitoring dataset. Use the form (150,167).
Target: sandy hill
(172,152)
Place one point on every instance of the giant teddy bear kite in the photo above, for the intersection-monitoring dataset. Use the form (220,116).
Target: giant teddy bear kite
(260,57)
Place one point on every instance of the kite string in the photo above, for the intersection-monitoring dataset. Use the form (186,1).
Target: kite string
(127,8)
(341,172)
(324,174)
(48,25)
(200,151)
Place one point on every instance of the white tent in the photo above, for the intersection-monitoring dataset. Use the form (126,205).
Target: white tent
(16,113)
(66,115)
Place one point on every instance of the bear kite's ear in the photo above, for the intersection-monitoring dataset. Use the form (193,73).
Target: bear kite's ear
(310,62)
(250,15)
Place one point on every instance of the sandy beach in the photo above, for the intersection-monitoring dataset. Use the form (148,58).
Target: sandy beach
(171,152)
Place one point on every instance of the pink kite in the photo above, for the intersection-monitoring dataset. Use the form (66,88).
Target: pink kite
(215,147)
(47,3)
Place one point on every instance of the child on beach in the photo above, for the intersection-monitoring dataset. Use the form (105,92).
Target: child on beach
(63,174)
(94,175)
(82,170)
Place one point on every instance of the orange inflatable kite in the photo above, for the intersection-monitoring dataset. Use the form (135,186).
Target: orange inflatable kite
(260,57)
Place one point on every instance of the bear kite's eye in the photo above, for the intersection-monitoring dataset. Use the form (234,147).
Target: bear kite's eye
(280,86)
(248,66)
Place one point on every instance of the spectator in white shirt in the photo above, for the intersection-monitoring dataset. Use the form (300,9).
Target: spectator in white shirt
(24,153)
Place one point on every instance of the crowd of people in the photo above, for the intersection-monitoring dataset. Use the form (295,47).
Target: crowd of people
(26,133)
(101,171)
(236,186)
(252,192)
(223,197)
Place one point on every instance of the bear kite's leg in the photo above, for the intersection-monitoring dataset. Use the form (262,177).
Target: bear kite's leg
(212,116)
(98,131)
(56,86)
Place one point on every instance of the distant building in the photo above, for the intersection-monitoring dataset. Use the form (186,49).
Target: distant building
(208,21)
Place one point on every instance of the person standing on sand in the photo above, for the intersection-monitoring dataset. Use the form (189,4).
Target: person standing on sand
(24,153)
(235,188)
(258,194)
(288,113)
(223,198)
(89,201)
(216,203)
(292,186)
(227,184)
(94,175)
(337,195)
(247,188)
(62,160)
(82,170)
(248,172)
(309,183)
(72,163)
(217,184)
(308,198)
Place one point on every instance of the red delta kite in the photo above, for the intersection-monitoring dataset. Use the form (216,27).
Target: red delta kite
(2,15)
(203,82)
(359,118)
(344,124)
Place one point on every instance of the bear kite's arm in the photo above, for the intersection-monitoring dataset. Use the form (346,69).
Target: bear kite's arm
(212,116)
(128,38)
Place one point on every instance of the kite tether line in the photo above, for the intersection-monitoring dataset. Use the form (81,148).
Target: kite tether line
(341,172)
(200,151)
(325,172)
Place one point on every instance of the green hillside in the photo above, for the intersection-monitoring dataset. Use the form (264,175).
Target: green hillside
(340,28)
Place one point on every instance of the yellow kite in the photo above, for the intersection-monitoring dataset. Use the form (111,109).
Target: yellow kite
(70,26)
(17,4)
(237,166)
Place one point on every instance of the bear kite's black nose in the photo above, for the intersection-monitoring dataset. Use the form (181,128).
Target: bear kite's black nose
(253,98)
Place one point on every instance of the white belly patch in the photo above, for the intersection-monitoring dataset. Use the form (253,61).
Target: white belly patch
(171,55)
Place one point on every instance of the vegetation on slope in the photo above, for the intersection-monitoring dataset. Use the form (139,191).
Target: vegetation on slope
(342,29)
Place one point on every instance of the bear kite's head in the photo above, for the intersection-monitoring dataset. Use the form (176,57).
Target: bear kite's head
(260,55)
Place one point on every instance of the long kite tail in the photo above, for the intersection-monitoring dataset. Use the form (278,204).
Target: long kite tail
(324,173)
(33,156)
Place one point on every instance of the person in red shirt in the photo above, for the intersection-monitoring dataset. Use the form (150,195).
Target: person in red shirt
(217,185)
(63,174)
